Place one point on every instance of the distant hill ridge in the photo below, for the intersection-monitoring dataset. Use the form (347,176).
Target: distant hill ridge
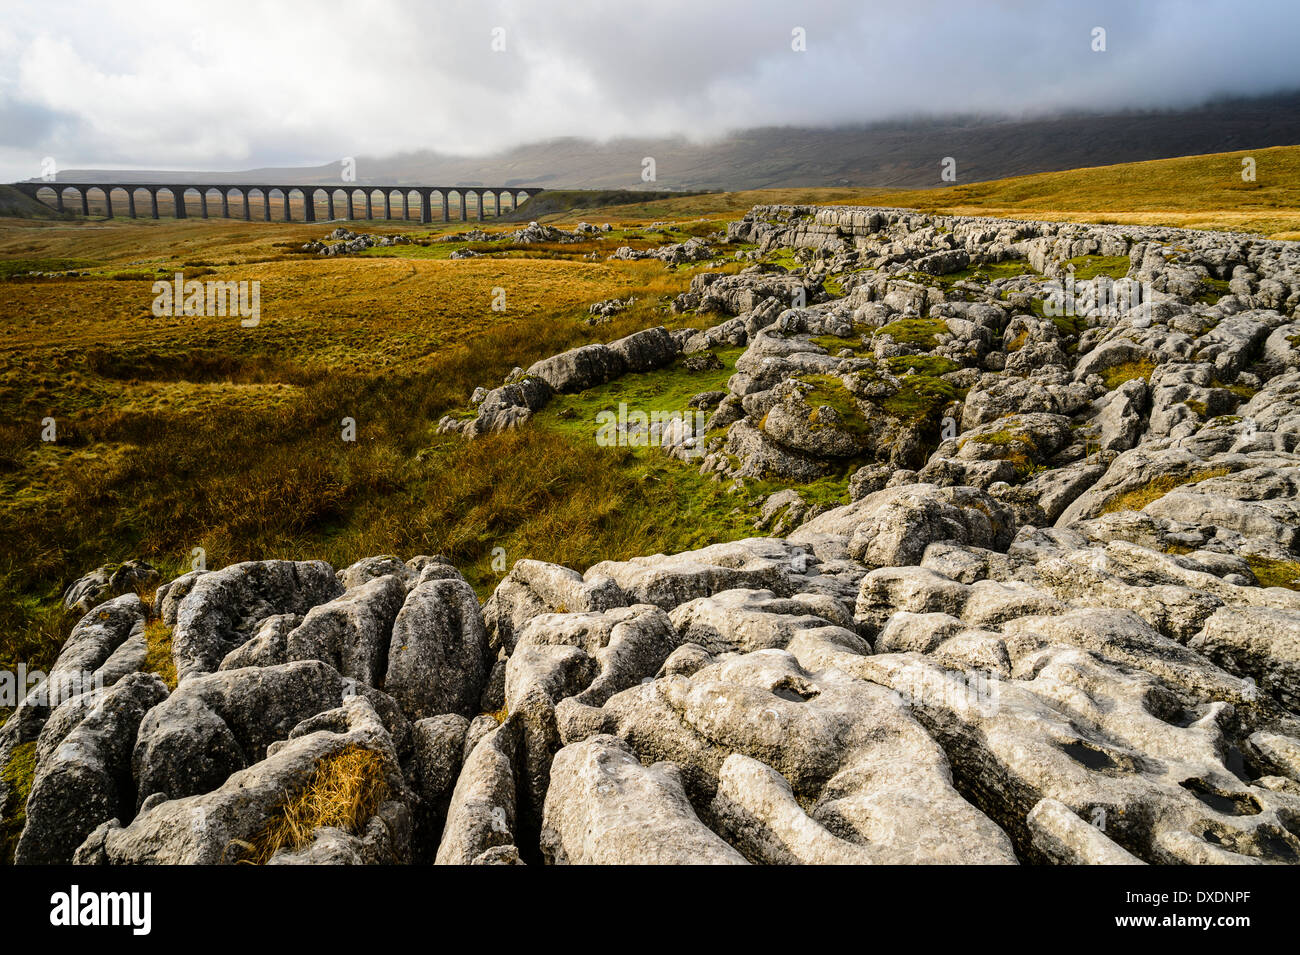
(888,154)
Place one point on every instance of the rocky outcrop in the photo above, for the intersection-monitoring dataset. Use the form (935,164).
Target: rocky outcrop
(346,242)
(578,369)
(217,614)
(111,580)
(83,777)
(1052,619)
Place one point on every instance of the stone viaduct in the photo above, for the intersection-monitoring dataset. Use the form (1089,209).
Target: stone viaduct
(331,199)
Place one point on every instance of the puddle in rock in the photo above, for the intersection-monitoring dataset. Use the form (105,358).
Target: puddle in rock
(794,696)
(1230,804)
(1090,756)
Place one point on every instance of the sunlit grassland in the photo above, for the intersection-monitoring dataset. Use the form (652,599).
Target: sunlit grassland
(1192,192)
(177,433)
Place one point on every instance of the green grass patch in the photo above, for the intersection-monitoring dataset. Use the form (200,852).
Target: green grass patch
(1070,325)
(18,774)
(931,366)
(989,272)
(834,344)
(784,258)
(922,398)
(1090,266)
(1241,391)
(1015,446)
(828,391)
(1215,289)
(664,503)
(11,267)
(665,390)
(1140,497)
(918,332)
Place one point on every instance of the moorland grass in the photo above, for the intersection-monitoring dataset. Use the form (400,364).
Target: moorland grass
(182,433)
(176,433)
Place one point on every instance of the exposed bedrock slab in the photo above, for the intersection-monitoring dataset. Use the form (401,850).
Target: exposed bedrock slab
(1257,642)
(209,828)
(605,808)
(859,765)
(892,527)
(223,608)
(437,657)
(482,818)
(587,657)
(84,776)
(216,724)
(106,645)
(351,632)
(785,567)
(534,587)
(1111,744)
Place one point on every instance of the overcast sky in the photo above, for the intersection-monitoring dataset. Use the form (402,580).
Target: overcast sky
(239,84)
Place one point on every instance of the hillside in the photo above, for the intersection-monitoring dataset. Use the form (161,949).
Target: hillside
(889,154)
(14,203)
(1193,192)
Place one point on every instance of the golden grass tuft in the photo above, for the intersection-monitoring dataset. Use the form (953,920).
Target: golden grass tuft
(158,658)
(344,792)
(1274,573)
(1116,375)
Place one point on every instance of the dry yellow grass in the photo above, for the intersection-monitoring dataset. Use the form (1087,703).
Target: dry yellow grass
(1275,573)
(344,792)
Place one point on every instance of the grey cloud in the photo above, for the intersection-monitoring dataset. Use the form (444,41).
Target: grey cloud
(240,85)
